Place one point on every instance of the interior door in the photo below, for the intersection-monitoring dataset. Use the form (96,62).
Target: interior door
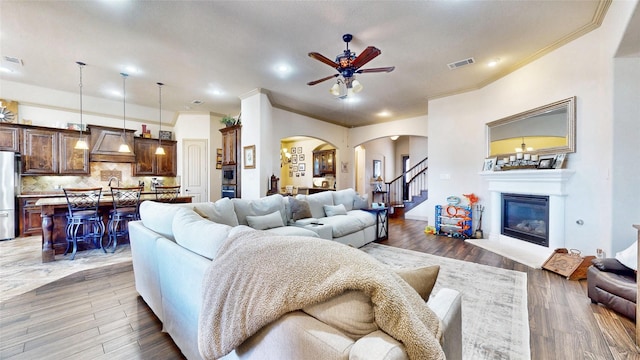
(195,171)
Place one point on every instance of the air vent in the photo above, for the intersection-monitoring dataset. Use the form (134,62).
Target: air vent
(13,60)
(197,102)
(460,63)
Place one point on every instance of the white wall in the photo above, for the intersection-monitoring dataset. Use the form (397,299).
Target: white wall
(582,68)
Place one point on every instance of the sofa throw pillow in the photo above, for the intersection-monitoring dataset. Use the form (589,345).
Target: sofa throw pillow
(221,212)
(264,222)
(344,197)
(333,210)
(629,256)
(262,206)
(199,235)
(422,279)
(350,312)
(299,209)
(360,202)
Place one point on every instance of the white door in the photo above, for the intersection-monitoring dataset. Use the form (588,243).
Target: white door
(195,172)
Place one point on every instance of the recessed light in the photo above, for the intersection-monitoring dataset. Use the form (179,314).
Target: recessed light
(217,92)
(493,62)
(384,113)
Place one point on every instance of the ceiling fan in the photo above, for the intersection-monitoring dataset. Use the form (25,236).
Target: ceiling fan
(347,65)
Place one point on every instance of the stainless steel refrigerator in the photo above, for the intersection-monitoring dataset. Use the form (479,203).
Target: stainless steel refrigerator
(9,179)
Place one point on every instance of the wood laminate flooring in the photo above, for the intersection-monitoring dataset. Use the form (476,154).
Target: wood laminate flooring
(97,314)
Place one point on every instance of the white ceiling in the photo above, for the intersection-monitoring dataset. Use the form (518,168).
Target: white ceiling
(197,47)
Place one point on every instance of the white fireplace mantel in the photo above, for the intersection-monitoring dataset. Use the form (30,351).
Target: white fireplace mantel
(547,182)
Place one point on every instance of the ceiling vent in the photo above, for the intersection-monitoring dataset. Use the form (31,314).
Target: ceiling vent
(12,60)
(197,102)
(461,63)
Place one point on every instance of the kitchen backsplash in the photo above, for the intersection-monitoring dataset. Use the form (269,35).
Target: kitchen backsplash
(37,184)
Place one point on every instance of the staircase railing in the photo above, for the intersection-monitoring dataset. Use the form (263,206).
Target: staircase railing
(416,182)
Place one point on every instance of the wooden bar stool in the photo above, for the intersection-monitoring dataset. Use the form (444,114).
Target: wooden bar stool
(167,193)
(126,205)
(83,220)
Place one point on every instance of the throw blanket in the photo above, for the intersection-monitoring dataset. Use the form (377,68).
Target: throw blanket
(257,277)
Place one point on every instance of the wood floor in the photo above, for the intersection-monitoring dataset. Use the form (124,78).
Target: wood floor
(97,314)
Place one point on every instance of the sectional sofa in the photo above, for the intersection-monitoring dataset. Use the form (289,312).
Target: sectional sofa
(173,246)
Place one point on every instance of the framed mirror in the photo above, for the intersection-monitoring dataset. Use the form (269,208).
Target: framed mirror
(377,168)
(549,129)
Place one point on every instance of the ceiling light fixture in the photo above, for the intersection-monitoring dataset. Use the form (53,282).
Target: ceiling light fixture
(124,148)
(81,144)
(493,62)
(345,87)
(523,147)
(160,150)
(394,137)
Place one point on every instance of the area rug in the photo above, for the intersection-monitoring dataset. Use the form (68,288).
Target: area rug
(495,322)
(529,258)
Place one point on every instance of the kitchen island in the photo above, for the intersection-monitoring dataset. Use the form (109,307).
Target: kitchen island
(54,222)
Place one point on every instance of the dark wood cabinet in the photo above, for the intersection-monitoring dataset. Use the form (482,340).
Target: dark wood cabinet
(149,164)
(230,144)
(324,163)
(72,160)
(10,138)
(30,222)
(40,152)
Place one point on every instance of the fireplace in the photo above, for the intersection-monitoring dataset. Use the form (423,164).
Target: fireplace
(526,217)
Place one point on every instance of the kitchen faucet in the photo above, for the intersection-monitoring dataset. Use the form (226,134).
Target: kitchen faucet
(113,178)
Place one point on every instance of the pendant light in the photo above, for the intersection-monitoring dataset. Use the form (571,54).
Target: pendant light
(81,144)
(124,147)
(160,150)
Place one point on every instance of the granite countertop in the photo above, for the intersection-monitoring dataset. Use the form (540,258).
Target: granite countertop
(60,193)
(106,198)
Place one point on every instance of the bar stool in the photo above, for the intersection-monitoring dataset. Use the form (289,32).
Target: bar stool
(167,193)
(83,220)
(126,207)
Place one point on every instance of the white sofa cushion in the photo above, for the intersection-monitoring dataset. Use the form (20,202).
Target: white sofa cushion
(221,212)
(264,222)
(262,206)
(159,217)
(333,210)
(365,217)
(293,231)
(197,234)
(317,202)
(342,225)
(344,197)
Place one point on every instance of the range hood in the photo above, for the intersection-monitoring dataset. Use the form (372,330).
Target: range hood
(105,142)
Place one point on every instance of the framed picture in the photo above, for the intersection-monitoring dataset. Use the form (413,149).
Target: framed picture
(301,174)
(295,168)
(377,168)
(489,164)
(293,150)
(344,166)
(249,157)
(218,158)
(299,149)
(301,167)
(294,158)
(300,157)
(558,162)
(76,126)
(165,135)
(290,173)
(546,162)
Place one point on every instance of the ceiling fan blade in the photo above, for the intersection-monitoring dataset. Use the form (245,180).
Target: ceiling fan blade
(367,55)
(375,70)
(321,80)
(324,59)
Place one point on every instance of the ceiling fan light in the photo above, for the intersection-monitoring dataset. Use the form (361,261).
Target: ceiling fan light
(335,89)
(357,87)
(81,145)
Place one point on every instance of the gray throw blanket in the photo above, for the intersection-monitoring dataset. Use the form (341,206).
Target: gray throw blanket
(257,277)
